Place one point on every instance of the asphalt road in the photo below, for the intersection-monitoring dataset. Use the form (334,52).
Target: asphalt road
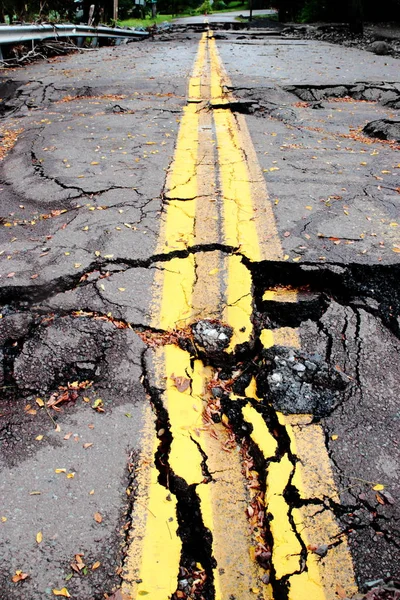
(228,182)
(228,17)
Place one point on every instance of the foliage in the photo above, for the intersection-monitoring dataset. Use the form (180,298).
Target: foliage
(352,11)
(205,8)
(147,22)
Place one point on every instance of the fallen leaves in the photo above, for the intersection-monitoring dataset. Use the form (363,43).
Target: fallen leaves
(340,591)
(8,140)
(63,592)
(97,517)
(98,405)
(19,576)
(181,383)
(39,537)
(378,487)
(70,393)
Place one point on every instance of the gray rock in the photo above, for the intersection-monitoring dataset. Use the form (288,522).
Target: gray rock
(299,367)
(383,129)
(211,335)
(381,48)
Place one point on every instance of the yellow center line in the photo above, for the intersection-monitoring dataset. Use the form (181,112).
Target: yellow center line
(190,288)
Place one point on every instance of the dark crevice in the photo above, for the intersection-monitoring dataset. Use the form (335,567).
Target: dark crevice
(196,538)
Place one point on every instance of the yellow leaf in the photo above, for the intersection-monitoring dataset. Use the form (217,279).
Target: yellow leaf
(363,163)
(39,402)
(393,224)
(396,248)
(63,592)
(3,519)
(60,470)
(308,207)
(108,255)
(39,537)
(334,437)
(67,253)
(96,565)
(77,265)
(94,162)
(121,289)
(297,259)
(85,228)
(91,492)
(39,438)
(71,475)
(97,253)
(378,487)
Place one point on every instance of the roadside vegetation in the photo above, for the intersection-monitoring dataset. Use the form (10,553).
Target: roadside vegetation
(129,13)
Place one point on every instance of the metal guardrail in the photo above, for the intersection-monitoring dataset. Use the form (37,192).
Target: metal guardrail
(14,34)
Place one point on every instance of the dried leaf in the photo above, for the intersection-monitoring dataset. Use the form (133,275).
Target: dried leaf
(67,435)
(39,402)
(97,517)
(118,595)
(340,591)
(181,383)
(63,592)
(39,438)
(19,576)
(88,445)
(96,565)
(380,499)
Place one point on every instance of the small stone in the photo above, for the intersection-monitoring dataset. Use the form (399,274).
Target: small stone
(380,47)
(310,366)
(263,559)
(322,550)
(276,377)
(265,579)
(217,392)
(299,367)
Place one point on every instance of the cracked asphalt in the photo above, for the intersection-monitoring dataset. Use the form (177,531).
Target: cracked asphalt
(91,191)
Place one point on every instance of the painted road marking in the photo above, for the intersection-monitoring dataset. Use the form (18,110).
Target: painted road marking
(209,205)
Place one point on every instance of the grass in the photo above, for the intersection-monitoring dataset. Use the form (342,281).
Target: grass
(258,17)
(145,22)
(148,21)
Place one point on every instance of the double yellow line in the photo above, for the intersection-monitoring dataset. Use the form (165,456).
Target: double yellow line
(229,207)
